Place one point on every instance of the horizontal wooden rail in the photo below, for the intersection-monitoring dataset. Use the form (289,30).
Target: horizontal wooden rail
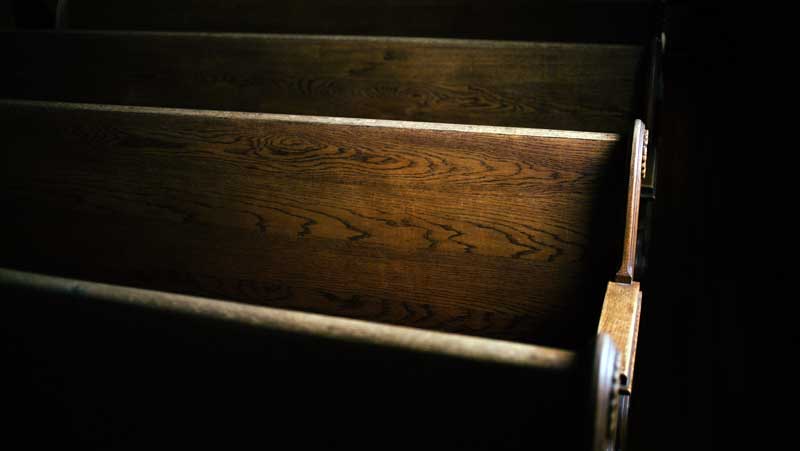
(308,324)
(487,231)
(517,84)
(173,362)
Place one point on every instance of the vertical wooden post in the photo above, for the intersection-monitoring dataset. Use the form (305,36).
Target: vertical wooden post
(638,145)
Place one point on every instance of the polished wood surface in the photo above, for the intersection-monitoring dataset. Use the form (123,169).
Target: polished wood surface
(635,175)
(508,233)
(619,319)
(542,85)
(550,20)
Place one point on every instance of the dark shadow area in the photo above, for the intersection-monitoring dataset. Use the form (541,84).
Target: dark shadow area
(548,20)
(691,360)
(103,376)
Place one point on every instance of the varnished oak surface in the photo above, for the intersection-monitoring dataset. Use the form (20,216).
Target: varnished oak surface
(500,235)
(542,85)
(619,319)
(545,20)
(635,175)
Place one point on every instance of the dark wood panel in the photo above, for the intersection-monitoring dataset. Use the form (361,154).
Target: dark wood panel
(543,85)
(128,377)
(488,231)
(300,325)
(546,20)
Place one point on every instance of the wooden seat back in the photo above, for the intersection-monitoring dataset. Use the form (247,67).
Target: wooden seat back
(491,231)
(584,87)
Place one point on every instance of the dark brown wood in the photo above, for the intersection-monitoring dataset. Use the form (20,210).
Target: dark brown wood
(498,232)
(306,325)
(619,320)
(635,174)
(543,85)
(545,20)
(130,368)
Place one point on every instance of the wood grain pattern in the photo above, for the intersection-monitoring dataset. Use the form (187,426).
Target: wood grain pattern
(500,235)
(541,20)
(620,320)
(542,85)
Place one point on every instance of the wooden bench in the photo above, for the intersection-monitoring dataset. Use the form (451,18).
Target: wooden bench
(421,208)
(586,87)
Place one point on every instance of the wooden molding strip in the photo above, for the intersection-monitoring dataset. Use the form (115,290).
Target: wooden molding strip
(620,320)
(638,144)
(308,324)
(450,42)
(328,120)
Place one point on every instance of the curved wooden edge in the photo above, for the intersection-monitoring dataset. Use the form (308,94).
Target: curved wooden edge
(306,324)
(604,395)
(620,320)
(638,146)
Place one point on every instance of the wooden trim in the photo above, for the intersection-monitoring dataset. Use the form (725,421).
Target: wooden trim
(326,120)
(448,42)
(306,324)
(474,233)
(638,144)
(620,320)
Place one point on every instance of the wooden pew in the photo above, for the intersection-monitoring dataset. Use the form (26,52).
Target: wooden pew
(149,367)
(296,198)
(490,231)
(584,87)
